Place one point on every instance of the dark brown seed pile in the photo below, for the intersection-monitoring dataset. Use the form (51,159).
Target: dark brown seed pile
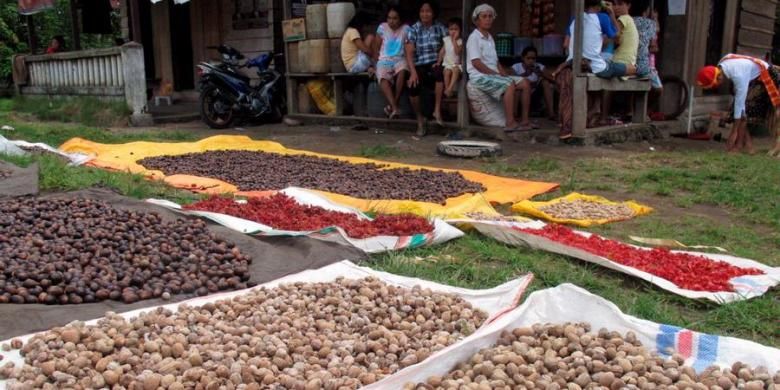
(80,251)
(35,149)
(271,171)
(4,174)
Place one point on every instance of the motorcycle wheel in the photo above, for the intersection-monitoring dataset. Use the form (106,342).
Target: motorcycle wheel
(215,112)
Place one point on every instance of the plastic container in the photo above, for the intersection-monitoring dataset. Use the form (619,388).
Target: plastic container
(339,15)
(317,21)
(520,43)
(336,64)
(305,103)
(317,55)
(303,50)
(504,45)
(552,45)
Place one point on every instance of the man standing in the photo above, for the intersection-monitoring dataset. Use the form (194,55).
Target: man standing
(755,96)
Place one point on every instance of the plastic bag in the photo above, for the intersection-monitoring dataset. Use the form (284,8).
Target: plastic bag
(9,148)
(535,209)
(322,95)
(441,233)
(569,303)
(746,287)
(485,110)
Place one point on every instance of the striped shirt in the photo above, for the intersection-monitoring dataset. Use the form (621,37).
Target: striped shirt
(427,42)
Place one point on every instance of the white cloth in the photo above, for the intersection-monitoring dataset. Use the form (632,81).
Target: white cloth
(533,78)
(592,41)
(451,59)
(741,72)
(481,48)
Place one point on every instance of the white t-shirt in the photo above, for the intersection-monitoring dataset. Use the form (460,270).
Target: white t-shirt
(483,48)
(592,41)
(450,58)
(741,72)
(533,78)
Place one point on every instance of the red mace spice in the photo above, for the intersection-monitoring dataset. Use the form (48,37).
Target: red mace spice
(282,212)
(690,272)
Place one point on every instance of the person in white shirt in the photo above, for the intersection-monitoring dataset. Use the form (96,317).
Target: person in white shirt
(756,96)
(489,76)
(537,76)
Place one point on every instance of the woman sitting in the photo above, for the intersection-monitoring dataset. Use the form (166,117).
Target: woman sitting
(487,74)
(391,68)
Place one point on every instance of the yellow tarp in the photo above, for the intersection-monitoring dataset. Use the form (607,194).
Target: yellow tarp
(123,157)
(534,208)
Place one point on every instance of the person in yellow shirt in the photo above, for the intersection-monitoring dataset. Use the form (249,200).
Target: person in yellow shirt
(626,52)
(356,51)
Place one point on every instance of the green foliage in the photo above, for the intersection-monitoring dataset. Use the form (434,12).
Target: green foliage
(89,111)
(379,150)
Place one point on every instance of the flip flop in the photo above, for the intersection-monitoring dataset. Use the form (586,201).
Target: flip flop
(439,121)
(565,136)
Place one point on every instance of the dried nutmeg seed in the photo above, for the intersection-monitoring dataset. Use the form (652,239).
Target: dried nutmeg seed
(530,357)
(251,170)
(337,335)
(72,251)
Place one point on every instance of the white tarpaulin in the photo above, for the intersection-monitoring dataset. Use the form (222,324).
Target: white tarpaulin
(745,287)
(441,233)
(569,303)
(496,301)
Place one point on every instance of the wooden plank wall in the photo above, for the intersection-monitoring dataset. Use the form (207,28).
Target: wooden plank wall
(756,27)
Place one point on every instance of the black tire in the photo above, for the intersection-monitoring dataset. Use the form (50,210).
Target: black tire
(682,98)
(469,149)
(209,109)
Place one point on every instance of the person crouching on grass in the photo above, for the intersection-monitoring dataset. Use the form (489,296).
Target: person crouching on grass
(489,76)
(755,95)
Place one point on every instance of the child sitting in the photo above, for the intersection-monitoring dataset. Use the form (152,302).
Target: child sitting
(356,52)
(449,56)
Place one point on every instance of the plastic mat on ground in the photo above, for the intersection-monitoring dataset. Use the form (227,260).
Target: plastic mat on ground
(442,232)
(17,147)
(123,157)
(535,209)
(496,301)
(745,287)
(569,303)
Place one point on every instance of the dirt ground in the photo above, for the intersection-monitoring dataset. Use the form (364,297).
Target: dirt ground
(344,140)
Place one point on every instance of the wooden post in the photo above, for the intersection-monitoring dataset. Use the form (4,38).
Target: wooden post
(134,77)
(580,81)
(135,21)
(74,25)
(463,100)
(292,85)
(31,41)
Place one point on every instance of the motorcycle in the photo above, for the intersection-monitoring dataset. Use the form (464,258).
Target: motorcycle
(227,95)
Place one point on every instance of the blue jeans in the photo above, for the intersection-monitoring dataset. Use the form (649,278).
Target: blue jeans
(614,69)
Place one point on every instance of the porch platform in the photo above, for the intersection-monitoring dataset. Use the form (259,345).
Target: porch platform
(178,112)
(548,134)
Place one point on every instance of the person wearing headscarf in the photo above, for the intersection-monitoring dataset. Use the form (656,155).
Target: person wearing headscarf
(489,76)
(756,96)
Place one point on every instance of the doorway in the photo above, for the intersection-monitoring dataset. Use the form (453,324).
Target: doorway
(181,46)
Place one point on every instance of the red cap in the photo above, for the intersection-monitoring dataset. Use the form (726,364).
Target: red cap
(708,77)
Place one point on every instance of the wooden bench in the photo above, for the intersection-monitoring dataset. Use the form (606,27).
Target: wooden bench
(639,88)
(335,78)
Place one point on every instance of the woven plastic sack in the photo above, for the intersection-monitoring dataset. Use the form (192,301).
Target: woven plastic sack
(322,95)
(532,208)
(569,303)
(745,287)
(485,110)
(496,301)
(441,233)
(74,159)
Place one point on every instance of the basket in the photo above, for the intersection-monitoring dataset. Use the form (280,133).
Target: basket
(505,44)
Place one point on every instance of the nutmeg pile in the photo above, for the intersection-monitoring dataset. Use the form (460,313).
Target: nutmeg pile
(4,174)
(335,335)
(570,356)
(250,170)
(70,251)
(585,209)
(490,217)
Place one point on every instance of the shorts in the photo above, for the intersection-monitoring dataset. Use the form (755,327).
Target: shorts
(495,85)
(388,68)
(362,63)
(614,69)
(428,75)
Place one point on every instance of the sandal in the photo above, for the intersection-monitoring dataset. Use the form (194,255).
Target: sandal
(390,113)
(438,120)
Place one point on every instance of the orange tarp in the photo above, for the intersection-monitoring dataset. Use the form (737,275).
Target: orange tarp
(123,157)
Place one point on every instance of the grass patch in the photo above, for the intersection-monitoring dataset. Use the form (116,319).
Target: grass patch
(88,111)
(379,150)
